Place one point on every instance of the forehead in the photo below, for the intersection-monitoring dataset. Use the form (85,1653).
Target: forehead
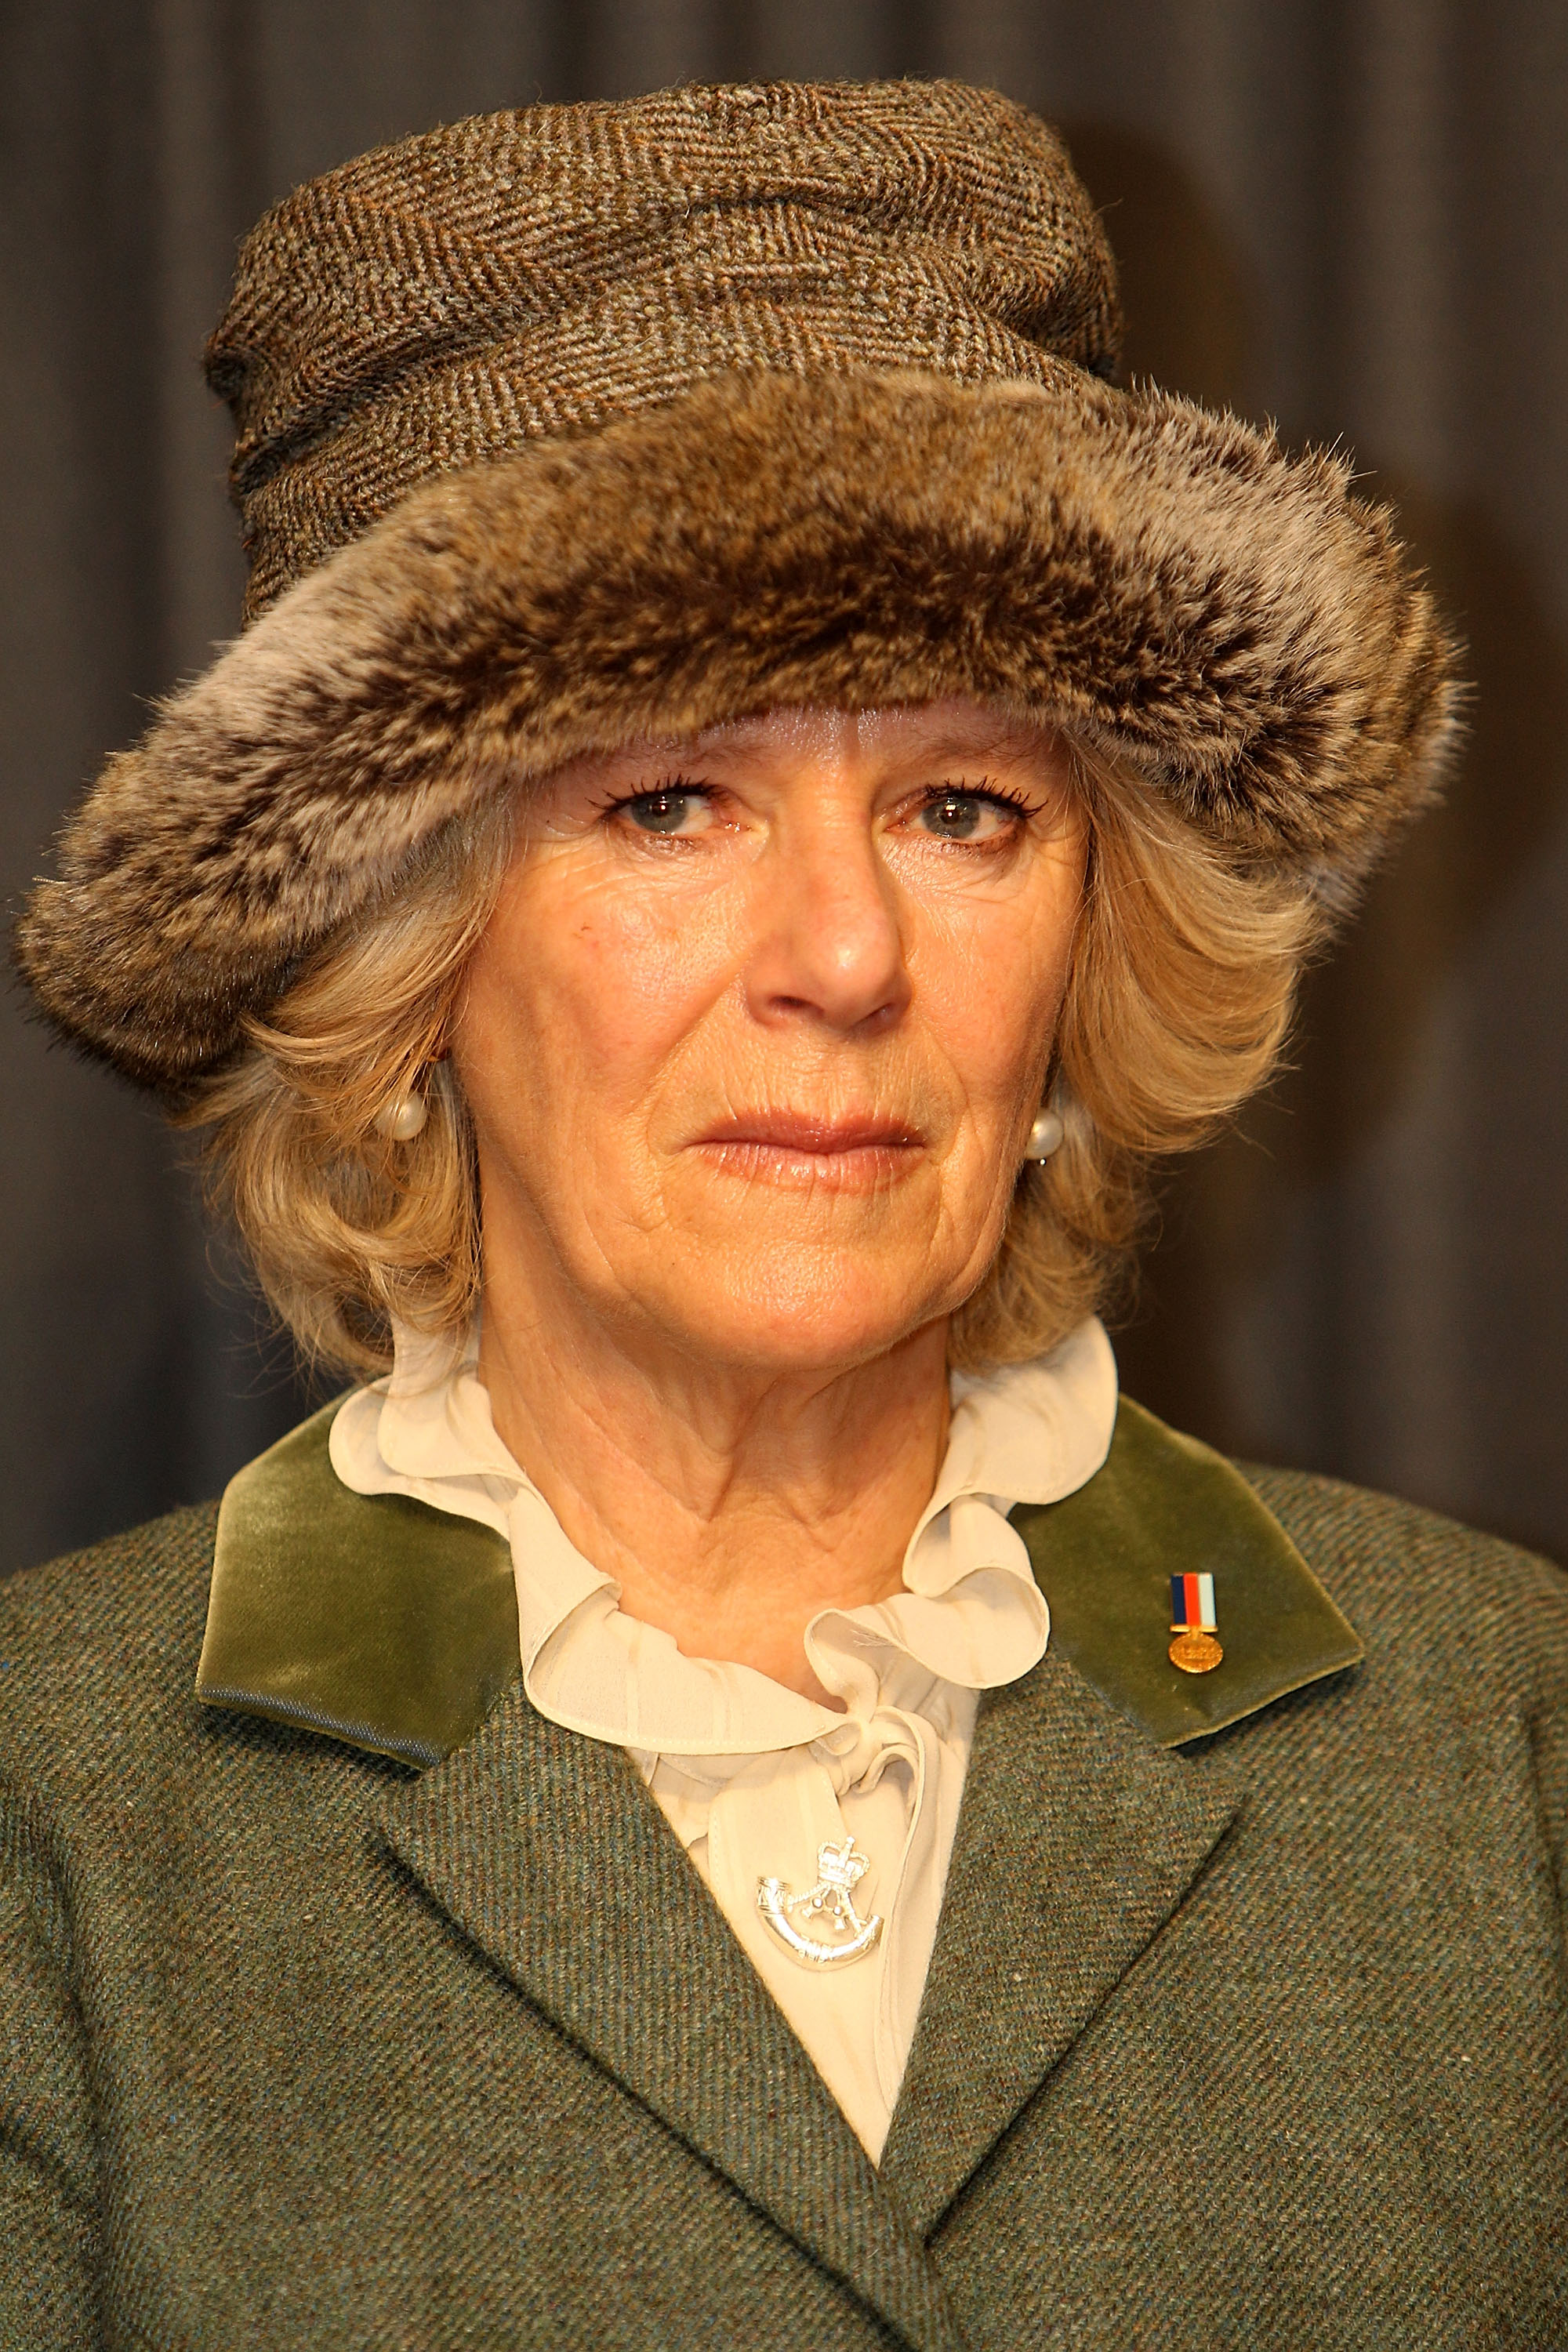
(952,730)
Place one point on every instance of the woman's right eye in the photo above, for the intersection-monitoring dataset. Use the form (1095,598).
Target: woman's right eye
(667,813)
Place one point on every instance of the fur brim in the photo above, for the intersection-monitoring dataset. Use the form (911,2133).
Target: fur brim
(1164,580)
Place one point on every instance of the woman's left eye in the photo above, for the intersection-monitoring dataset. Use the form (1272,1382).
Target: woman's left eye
(967,816)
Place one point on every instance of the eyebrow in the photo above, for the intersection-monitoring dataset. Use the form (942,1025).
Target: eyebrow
(959,745)
(955,742)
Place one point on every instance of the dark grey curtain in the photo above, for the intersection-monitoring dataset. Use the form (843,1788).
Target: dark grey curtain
(1349,215)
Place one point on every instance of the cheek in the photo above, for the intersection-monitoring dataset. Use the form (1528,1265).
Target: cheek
(578,994)
(992,979)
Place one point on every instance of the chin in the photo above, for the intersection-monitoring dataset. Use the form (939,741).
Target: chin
(784,1319)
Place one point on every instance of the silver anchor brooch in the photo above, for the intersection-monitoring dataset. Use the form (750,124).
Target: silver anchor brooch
(839,1870)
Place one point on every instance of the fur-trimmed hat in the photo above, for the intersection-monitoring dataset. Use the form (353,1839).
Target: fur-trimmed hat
(561,427)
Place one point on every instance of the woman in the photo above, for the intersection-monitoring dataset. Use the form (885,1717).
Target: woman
(732,1795)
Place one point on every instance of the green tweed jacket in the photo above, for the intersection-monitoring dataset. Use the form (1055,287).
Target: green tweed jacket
(351,2004)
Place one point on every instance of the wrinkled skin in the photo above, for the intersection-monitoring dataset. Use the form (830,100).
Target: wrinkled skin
(753,1043)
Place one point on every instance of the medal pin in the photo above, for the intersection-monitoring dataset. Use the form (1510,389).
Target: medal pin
(1195,1645)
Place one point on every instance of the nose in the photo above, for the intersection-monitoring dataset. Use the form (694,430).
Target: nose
(827,946)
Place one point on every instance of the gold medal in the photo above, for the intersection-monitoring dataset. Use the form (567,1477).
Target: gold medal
(1195,1652)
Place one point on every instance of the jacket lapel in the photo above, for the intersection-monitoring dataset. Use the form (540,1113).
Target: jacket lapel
(371,1620)
(1083,1823)
(1077,1839)
(548,1851)
(1163,1506)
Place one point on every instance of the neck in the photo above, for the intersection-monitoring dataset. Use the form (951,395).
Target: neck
(730,1505)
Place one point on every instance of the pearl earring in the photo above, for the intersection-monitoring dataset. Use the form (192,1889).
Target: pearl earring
(401,1119)
(1046,1134)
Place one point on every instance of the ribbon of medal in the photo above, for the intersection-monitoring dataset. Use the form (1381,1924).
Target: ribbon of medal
(1196,1648)
(830,1902)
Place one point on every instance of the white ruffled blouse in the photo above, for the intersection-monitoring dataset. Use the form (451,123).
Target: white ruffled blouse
(756,1780)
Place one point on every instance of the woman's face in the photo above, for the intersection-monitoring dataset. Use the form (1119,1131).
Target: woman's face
(755,1036)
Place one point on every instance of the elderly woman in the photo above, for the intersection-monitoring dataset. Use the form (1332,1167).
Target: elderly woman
(732,1794)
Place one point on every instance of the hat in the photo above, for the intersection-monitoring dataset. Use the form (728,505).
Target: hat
(562,428)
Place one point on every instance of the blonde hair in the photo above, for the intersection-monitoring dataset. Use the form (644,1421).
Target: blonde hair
(1178,1000)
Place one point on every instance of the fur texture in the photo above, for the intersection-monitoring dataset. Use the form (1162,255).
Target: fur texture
(1163,580)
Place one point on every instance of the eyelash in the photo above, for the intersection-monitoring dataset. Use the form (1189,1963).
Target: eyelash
(997,794)
(618,802)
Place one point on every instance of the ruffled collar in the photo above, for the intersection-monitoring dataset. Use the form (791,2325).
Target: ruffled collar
(969,1615)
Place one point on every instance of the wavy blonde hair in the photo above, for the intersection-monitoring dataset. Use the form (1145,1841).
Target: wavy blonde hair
(1179,997)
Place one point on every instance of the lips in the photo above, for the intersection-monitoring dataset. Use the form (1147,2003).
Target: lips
(798,1152)
(800,1132)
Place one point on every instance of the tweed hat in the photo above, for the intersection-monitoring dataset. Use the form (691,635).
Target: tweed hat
(565,426)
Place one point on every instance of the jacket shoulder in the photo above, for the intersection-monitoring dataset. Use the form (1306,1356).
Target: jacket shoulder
(1412,1577)
(96,1644)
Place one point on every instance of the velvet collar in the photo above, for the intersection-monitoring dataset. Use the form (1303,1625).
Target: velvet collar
(392,1626)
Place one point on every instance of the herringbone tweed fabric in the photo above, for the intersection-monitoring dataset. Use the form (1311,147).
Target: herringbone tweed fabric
(448,300)
(1261,2043)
